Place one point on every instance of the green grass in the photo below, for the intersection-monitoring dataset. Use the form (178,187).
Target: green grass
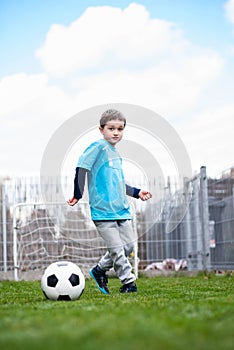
(167,313)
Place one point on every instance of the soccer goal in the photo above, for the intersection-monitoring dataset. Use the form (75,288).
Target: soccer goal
(45,233)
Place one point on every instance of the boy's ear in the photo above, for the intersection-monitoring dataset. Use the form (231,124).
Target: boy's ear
(101,129)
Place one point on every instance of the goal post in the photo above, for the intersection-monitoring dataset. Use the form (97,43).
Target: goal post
(44,233)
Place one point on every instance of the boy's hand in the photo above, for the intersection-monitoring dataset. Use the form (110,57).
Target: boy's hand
(144,195)
(72,201)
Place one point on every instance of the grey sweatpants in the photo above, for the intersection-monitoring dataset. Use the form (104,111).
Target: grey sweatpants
(119,238)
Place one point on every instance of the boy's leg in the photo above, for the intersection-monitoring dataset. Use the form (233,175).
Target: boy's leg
(106,262)
(110,232)
(127,236)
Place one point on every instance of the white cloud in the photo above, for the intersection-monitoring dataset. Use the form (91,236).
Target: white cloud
(19,89)
(118,55)
(170,88)
(108,38)
(229,8)
(102,38)
(30,111)
(208,135)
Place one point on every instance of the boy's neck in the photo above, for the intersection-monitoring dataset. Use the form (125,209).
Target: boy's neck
(113,146)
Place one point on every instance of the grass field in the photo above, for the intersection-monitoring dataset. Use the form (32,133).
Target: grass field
(167,313)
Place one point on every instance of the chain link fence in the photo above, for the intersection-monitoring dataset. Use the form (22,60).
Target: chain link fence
(189,228)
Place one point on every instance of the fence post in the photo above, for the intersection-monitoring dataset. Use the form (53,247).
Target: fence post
(197,223)
(167,210)
(4,226)
(205,219)
(135,256)
(187,222)
(15,252)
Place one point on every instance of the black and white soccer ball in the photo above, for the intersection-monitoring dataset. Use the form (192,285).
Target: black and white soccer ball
(63,280)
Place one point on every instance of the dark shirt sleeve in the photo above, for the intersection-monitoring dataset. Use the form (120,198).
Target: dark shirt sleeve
(79,182)
(132,191)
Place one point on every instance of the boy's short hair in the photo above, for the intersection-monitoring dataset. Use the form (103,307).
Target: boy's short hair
(111,114)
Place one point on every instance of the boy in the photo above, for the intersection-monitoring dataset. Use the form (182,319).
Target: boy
(110,210)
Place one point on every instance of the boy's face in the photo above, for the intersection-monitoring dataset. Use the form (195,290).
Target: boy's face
(113,131)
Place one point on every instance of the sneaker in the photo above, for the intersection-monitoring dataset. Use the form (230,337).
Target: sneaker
(100,278)
(128,288)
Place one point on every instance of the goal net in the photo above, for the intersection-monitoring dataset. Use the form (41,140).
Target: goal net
(43,234)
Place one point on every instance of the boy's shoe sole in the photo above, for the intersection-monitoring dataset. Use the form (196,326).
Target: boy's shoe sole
(100,288)
(128,288)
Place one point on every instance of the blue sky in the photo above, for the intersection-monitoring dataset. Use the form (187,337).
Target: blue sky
(49,71)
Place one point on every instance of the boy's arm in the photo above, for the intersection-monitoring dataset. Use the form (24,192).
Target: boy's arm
(132,191)
(137,193)
(79,182)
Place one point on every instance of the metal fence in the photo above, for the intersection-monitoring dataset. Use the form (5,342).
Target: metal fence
(184,229)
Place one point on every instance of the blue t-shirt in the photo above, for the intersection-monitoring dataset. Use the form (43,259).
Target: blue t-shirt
(106,184)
